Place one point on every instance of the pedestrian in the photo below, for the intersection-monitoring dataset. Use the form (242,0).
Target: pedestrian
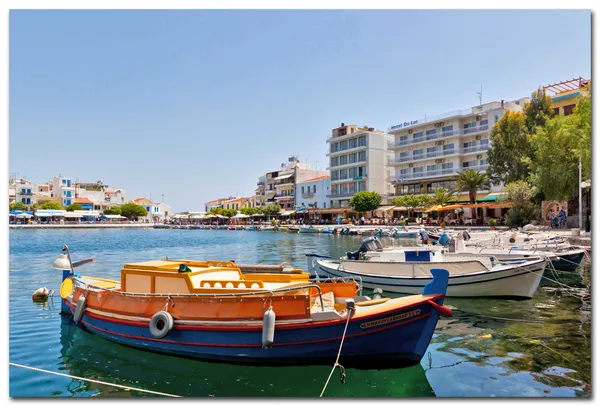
(562,214)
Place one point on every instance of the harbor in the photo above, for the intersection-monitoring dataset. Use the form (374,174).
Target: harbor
(490,347)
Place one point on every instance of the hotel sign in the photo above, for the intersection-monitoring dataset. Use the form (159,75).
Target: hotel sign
(404,124)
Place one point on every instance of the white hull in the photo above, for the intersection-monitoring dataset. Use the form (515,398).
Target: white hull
(309,230)
(469,279)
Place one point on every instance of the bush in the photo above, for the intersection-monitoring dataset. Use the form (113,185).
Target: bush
(492,223)
(518,216)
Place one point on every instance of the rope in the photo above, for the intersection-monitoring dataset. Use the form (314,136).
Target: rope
(93,380)
(342,369)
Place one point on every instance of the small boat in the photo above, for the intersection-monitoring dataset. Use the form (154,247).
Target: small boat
(293,229)
(308,229)
(268,228)
(407,270)
(328,230)
(270,315)
(251,228)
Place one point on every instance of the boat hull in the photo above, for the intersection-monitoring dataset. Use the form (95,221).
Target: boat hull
(393,339)
(518,283)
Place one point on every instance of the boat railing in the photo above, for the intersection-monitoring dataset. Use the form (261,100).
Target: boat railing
(80,283)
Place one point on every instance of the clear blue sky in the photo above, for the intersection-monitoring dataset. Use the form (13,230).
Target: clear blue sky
(196,105)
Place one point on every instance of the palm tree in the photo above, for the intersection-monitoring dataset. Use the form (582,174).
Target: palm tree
(441,197)
(470,181)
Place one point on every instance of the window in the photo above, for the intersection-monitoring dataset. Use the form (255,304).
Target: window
(448,149)
(148,208)
(335,147)
(403,172)
(343,145)
(447,129)
(403,155)
(68,183)
(352,187)
(495,119)
(418,169)
(431,168)
(353,142)
(324,205)
(467,144)
(418,136)
(483,162)
(344,174)
(28,191)
(362,141)
(417,153)
(335,161)
(362,156)
(343,159)
(23,200)
(449,165)
(314,188)
(28,200)
(567,110)
(484,141)
(362,186)
(557,111)
(303,189)
(352,158)
(483,122)
(64,181)
(335,175)
(403,139)
(362,171)
(430,132)
(352,172)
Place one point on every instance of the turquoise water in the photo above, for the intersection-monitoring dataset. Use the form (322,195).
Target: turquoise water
(539,347)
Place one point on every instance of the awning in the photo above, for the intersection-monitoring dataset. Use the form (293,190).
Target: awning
(492,197)
(71,215)
(287,213)
(49,213)
(257,215)
(385,208)
(23,216)
(240,216)
(283,176)
(113,216)
(433,208)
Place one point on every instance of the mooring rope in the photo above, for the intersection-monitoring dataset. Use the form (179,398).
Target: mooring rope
(336,364)
(93,380)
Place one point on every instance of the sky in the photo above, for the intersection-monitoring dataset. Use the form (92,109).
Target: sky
(197,105)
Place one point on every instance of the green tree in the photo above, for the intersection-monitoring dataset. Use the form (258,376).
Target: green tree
(471,181)
(18,206)
(131,210)
(557,149)
(272,209)
(229,212)
(441,197)
(411,202)
(51,206)
(74,206)
(363,202)
(510,154)
(537,111)
(520,194)
(248,211)
(112,210)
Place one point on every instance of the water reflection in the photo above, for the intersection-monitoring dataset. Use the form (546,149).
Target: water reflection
(87,355)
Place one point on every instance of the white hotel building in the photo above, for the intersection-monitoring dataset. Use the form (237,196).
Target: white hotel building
(358,161)
(429,152)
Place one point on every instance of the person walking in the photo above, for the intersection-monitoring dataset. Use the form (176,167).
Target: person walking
(562,214)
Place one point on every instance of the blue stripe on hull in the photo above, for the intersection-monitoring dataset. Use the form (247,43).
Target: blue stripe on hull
(396,344)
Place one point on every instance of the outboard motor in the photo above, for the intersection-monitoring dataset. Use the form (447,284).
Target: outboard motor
(443,239)
(466,236)
(368,244)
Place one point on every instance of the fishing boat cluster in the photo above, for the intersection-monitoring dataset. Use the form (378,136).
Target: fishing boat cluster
(333,313)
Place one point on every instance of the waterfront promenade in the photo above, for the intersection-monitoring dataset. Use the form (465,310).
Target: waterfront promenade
(81,226)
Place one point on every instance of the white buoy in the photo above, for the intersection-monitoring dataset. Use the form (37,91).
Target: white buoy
(268,332)
(40,294)
(79,309)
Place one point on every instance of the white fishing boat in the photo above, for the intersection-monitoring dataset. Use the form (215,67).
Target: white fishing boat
(308,229)
(407,271)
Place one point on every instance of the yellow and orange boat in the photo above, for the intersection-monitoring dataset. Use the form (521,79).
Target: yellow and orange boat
(252,314)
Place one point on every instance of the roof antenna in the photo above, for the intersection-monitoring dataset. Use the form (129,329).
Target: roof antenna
(480,95)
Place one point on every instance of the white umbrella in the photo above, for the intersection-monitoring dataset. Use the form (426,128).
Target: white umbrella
(240,216)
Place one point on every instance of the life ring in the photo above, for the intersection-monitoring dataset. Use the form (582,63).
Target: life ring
(161,324)
(79,309)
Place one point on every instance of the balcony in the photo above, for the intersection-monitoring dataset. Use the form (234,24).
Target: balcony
(341,194)
(283,196)
(308,195)
(347,150)
(443,134)
(422,175)
(476,148)
(474,130)
(479,168)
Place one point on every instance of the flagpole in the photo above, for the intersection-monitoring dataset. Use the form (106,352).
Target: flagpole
(580,205)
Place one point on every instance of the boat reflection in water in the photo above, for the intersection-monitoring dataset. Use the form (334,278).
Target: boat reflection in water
(87,355)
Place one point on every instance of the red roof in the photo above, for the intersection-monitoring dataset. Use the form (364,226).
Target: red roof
(142,200)
(315,179)
(82,200)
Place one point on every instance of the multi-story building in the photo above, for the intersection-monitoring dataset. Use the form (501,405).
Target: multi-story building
(564,94)
(358,161)
(102,196)
(218,203)
(312,193)
(260,191)
(251,201)
(64,188)
(156,211)
(23,191)
(280,185)
(430,152)
(236,203)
